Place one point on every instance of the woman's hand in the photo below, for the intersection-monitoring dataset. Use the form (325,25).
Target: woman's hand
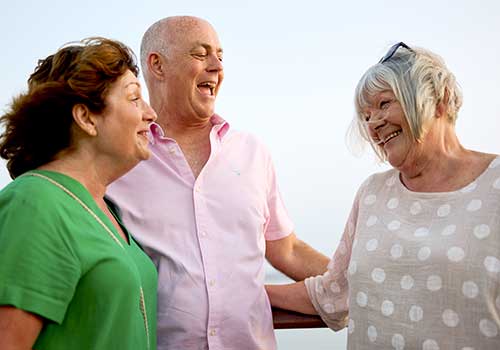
(18,329)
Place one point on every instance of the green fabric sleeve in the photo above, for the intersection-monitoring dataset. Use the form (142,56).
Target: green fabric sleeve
(39,270)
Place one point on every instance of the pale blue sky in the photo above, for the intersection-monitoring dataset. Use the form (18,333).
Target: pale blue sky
(291,68)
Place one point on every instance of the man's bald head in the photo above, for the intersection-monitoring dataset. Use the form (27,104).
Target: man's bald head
(164,34)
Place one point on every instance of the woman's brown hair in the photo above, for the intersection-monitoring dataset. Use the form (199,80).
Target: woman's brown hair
(38,122)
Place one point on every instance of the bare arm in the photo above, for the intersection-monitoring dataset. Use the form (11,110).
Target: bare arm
(295,258)
(18,329)
(291,297)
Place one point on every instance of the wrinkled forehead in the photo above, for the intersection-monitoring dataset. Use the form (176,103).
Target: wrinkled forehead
(191,32)
(370,86)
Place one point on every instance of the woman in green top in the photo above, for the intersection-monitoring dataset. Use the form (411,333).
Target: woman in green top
(71,276)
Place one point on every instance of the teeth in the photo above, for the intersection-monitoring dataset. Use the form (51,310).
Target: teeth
(391,135)
(209,84)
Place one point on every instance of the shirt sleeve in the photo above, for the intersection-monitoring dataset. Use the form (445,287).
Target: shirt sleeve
(329,293)
(38,269)
(279,224)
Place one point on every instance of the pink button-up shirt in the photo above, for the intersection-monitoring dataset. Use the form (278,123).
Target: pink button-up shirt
(207,237)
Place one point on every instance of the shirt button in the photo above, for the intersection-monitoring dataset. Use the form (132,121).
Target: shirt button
(211,283)
(213,332)
(203,233)
(171,150)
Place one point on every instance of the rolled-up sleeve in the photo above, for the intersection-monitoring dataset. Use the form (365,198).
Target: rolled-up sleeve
(329,293)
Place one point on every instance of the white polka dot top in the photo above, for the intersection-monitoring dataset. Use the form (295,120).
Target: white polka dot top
(417,270)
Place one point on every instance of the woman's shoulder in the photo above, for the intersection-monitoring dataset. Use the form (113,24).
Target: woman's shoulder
(28,187)
(377,180)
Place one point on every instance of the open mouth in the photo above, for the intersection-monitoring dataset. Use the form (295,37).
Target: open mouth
(207,87)
(389,137)
(143,134)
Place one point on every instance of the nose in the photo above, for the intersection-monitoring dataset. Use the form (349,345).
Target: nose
(148,113)
(215,63)
(377,120)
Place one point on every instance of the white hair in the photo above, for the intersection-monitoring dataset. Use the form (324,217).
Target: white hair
(419,79)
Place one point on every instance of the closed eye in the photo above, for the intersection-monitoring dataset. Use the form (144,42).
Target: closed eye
(200,56)
(136,100)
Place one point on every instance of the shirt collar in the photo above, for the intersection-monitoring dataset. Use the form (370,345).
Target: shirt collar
(219,125)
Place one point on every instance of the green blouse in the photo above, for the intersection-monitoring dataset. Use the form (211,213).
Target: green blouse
(58,262)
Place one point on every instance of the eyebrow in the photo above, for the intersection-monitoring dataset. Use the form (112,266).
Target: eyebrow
(207,47)
(133,83)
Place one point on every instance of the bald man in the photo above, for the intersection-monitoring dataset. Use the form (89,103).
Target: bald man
(206,205)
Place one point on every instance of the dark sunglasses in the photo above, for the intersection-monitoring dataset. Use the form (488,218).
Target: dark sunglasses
(393,50)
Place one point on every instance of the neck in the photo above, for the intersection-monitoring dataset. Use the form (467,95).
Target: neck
(185,130)
(93,174)
(433,164)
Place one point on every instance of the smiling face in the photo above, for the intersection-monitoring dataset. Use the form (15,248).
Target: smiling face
(387,127)
(123,126)
(194,70)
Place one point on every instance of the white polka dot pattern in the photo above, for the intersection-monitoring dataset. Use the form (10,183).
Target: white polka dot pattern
(416,208)
(424,253)
(362,299)
(416,313)
(370,199)
(450,318)
(394,225)
(378,275)
(470,289)
(474,205)
(421,232)
(444,210)
(334,287)
(492,264)
(449,230)
(398,342)
(387,308)
(481,231)
(430,344)
(396,251)
(372,220)
(329,308)
(496,184)
(442,249)
(393,203)
(350,326)
(456,254)
(372,245)
(372,333)
(488,328)
(407,282)
(352,268)
(434,283)
(391,181)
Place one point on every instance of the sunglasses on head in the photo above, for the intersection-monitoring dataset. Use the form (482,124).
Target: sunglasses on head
(393,50)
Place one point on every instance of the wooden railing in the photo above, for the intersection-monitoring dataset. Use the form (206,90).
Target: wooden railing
(284,319)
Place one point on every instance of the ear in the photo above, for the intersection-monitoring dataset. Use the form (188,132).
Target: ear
(442,105)
(84,119)
(156,65)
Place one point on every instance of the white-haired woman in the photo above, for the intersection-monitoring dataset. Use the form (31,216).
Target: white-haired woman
(418,266)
